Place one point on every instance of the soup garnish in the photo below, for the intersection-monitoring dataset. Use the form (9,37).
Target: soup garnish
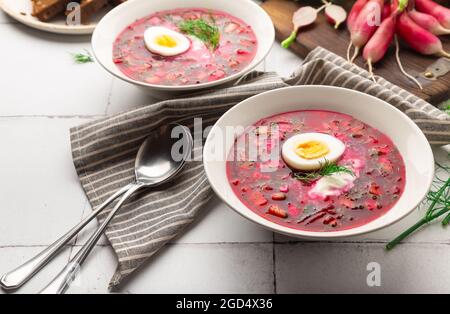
(316,170)
(199,28)
(438,199)
(186,46)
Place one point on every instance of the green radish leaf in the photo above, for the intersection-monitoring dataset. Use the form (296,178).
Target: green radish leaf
(402,5)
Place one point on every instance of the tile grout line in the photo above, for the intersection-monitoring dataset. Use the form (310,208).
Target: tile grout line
(108,104)
(76,237)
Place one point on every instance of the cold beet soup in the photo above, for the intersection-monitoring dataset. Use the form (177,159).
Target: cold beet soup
(184,47)
(318,171)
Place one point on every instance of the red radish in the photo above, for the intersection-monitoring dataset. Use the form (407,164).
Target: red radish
(394,5)
(441,13)
(335,14)
(386,12)
(377,46)
(429,22)
(354,13)
(398,6)
(303,17)
(366,24)
(419,38)
(352,16)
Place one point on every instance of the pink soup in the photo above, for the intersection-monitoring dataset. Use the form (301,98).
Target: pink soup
(199,64)
(280,197)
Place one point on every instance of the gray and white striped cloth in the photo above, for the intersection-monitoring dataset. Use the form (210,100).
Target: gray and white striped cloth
(104,151)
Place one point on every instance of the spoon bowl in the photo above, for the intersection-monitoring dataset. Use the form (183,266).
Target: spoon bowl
(156,160)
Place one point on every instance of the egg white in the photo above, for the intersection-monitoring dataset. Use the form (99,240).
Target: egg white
(335,146)
(152,33)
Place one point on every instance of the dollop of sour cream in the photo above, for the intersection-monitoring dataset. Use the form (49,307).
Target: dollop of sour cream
(333,185)
(337,183)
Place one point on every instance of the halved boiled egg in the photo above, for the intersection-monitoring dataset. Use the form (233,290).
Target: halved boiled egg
(165,42)
(309,151)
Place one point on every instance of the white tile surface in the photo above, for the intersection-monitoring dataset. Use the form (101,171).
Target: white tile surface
(44,80)
(41,197)
(342,268)
(190,268)
(96,272)
(14,256)
(125,96)
(222,252)
(217,223)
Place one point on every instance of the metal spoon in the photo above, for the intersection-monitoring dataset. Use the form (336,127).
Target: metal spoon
(155,165)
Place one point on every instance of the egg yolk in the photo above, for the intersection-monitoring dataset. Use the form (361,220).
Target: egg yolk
(312,149)
(166,41)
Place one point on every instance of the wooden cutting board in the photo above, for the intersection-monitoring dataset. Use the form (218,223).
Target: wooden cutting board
(323,34)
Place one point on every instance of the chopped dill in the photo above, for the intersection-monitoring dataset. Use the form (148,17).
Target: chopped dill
(204,31)
(81,58)
(326,169)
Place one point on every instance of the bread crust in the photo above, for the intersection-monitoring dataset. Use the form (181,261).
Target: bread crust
(45,10)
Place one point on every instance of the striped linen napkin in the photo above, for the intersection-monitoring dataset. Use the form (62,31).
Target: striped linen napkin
(104,151)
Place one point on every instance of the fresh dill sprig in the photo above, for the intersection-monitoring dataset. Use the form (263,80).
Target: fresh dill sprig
(445,106)
(326,169)
(439,199)
(82,58)
(204,31)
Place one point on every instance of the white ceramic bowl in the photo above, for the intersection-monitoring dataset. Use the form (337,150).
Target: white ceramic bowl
(408,138)
(120,17)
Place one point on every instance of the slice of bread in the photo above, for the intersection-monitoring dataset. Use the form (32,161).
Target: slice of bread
(89,8)
(44,10)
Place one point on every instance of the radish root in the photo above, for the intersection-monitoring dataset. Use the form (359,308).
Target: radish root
(397,57)
(349,49)
(355,55)
(444,54)
(372,76)
(325,4)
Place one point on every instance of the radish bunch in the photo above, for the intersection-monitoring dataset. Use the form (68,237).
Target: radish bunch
(418,23)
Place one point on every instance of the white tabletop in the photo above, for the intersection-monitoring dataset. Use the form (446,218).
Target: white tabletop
(43,93)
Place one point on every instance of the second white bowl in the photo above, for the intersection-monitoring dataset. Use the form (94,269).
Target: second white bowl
(115,22)
(406,135)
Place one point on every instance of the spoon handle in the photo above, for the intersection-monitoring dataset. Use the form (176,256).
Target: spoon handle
(64,279)
(17,277)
